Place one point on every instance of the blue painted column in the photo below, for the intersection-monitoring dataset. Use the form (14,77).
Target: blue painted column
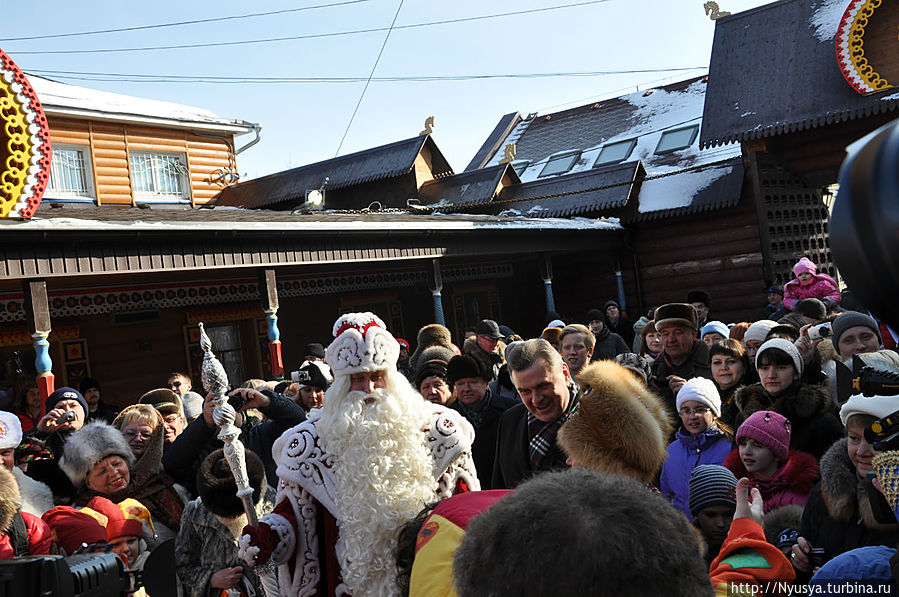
(548,289)
(438,308)
(274,342)
(622,301)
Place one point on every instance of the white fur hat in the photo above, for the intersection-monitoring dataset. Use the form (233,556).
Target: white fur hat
(876,406)
(361,343)
(10,430)
(758,331)
(88,446)
(701,390)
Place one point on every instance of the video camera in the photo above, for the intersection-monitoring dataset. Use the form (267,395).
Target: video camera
(882,434)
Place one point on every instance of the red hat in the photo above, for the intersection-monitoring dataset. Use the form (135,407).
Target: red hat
(71,527)
(403,343)
(119,524)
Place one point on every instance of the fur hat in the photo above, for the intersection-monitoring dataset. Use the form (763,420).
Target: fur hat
(164,400)
(702,390)
(812,308)
(758,331)
(711,485)
(805,266)
(10,430)
(674,314)
(361,343)
(65,393)
(714,326)
(700,296)
(552,334)
(88,383)
(88,446)
(851,319)
(434,334)
(314,349)
(71,528)
(770,429)
(432,363)
(10,499)
(620,426)
(468,365)
(635,363)
(784,345)
(192,403)
(875,406)
(217,488)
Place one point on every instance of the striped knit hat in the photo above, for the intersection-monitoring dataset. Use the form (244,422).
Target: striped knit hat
(711,485)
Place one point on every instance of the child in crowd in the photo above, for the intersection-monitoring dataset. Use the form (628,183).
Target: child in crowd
(810,284)
(783,476)
(701,439)
(712,504)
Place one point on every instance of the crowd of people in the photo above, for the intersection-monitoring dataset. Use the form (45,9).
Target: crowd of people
(672,454)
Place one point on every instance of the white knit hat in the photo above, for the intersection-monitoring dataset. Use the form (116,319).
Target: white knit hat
(876,406)
(10,430)
(784,345)
(701,390)
(361,343)
(759,330)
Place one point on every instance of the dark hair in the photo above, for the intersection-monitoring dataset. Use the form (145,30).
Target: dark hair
(731,348)
(649,328)
(405,547)
(785,331)
(593,530)
(774,356)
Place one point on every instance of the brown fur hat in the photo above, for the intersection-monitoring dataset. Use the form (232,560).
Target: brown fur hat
(432,334)
(10,499)
(620,427)
(217,487)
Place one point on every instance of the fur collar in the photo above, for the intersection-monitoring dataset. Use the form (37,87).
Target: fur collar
(9,499)
(799,474)
(799,401)
(844,496)
(778,520)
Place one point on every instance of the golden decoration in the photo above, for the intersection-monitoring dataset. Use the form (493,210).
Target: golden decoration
(509,153)
(429,127)
(712,9)
(857,48)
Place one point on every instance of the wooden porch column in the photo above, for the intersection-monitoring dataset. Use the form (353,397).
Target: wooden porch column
(546,272)
(435,283)
(37,313)
(268,292)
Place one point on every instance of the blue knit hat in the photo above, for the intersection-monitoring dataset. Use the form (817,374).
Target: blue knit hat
(711,485)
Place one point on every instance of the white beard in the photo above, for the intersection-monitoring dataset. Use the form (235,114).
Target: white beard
(384,477)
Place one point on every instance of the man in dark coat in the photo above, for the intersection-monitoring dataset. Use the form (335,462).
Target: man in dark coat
(468,376)
(618,323)
(607,344)
(683,357)
(526,439)
(97,409)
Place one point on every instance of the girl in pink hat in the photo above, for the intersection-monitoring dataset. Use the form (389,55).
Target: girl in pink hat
(810,284)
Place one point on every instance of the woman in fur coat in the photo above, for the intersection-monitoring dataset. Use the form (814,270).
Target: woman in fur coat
(206,548)
(838,516)
(809,409)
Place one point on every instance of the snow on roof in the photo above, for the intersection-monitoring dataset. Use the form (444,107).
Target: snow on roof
(826,18)
(678,190)
(62,98)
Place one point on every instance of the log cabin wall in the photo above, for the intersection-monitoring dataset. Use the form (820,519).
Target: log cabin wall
(110,143)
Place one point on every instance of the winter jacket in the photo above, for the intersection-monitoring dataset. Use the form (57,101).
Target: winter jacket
(36,496)
(838,515)
(205,545)
(104,413)
(790,485)
(686,453)
(608,345)
(198,440)
(37,531)
(483,448)
(48,471)
(821,287)
(729,410)
(696,365)
(624,328)
(814,426)
(746,559)
(27,421)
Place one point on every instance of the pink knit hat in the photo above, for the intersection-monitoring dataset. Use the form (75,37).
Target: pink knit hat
(806,266)
(770,429)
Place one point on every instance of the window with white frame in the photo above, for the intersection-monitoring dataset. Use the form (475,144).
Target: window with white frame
(71,176)
(159,176)
(560,163)
(612,153)
(677,139)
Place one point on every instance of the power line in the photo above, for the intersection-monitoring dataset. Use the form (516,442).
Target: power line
(181,23)
(308,36)
(159,78)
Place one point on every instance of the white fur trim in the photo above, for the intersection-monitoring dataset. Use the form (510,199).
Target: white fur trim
(449,434)
(88,446)
(302,461)
(287,537)
(36,496)
(245,551)
(10,430)
(361,343)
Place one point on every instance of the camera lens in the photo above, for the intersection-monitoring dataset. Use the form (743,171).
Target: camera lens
(825,332)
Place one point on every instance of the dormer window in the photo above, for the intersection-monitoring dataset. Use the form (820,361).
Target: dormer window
(520,166)
(159,177)
(71,177)
(560,163)
(612,153)
(677,139)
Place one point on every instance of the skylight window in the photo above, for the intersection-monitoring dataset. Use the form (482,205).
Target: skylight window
(561,163)
(520,166)
(677,139)
(615,152)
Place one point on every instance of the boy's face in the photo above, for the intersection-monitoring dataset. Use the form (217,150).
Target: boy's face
(127,548)
(714,522)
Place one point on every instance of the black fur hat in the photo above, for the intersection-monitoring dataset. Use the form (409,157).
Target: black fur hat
(468,365)
(217,487)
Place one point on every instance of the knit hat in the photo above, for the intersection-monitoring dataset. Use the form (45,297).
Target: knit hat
(10,430)
(314,374)
(88,383)
(876,406)
(714,326)
(88,446)
(805,266)
(506,331)
(700,296)
(118,523)
(611,303)
(812,307)
(711,485)
(594,314)
(432,363)
(784,345)
(776,290)
(468,365)
(770,429)
(216,485)
(70,528)
(701,390)
(65,393)
(192,403)
(404,343)
(361,343)
(674,314)
(164,400)
(758,331)
(851,319)
(556,323)
(635,363)
(489,328)
(314,349)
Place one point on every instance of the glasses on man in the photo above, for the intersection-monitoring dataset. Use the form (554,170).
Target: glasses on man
(174,384)
(698,411)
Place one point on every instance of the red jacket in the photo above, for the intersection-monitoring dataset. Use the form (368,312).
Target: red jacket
(789,485)
(39,538)
(747,560)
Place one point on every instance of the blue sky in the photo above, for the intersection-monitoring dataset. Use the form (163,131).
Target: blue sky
(304,123)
